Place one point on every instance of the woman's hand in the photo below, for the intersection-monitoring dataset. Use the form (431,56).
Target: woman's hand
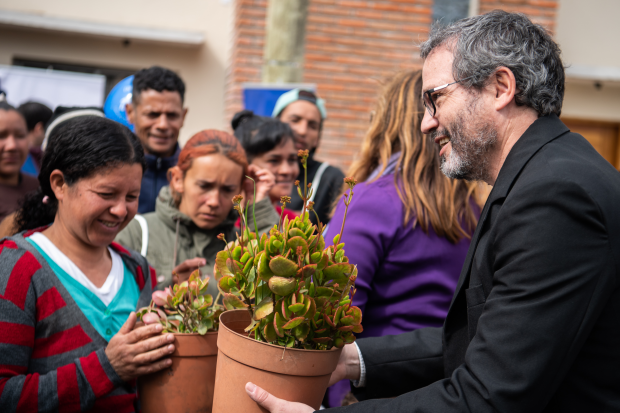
(264,179)
(133,353)
(185,269)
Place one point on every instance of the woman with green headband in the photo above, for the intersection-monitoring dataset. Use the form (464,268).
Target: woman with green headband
(305,112)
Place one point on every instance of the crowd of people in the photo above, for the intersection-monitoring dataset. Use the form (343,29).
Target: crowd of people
(517,312)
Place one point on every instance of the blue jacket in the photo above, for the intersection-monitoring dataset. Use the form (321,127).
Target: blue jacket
(155,177)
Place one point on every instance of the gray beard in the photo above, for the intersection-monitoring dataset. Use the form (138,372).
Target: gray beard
(469,157)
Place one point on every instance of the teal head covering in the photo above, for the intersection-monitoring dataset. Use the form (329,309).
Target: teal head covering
(299,94)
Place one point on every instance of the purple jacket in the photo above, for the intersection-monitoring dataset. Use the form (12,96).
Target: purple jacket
(406,278)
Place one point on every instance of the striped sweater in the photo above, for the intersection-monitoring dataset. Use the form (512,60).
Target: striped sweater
(51,357)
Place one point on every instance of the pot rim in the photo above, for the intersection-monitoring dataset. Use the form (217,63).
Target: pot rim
(269,344)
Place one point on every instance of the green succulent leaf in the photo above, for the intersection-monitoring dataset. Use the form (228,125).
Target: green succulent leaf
(296,307)
(263,309)
(236,253)
(296,242)
(301,331)
(278,323)
(270,332)
(356,313)
(322,262)
(296,232)
(293,323)
(282,267)
(315,257)
(232,302)
(339,273)
(282,286)
(227,283)
(264,272)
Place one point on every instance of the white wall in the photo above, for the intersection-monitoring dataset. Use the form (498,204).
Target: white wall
(589,35)
(203,68)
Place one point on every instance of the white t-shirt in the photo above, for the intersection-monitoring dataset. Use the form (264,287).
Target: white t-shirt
(112,284)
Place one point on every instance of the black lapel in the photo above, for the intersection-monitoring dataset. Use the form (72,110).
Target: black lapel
(542,131)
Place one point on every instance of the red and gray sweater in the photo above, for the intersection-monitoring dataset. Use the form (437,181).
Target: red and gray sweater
(51,357)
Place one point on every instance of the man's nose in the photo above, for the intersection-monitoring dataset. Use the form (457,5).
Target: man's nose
(162,122)
(429,123)
(302,128)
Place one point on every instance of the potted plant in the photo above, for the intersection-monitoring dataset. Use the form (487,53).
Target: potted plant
(193,317)
(293,296)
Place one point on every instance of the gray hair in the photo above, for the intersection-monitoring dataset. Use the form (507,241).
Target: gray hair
(483,43)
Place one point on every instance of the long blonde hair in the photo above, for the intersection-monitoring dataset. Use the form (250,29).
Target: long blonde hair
(429,197)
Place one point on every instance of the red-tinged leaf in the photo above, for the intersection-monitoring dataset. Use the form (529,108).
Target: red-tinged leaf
(347,320)
(356,313)
(328,320)
(345,328)
(296,242)
(233,266)
(281,285)
(278,322)
(358,328)
(263,309)
(293,323)
(324,258)
(232,302)
(220,263)
(226,283)
(338,272)
(324,292)
(284,311)
(310,308)
(270,333)
(320,331)
(309,270)
(296,232)
(322,340)
(296,307)
(282,267)
(349,338)
(339,343)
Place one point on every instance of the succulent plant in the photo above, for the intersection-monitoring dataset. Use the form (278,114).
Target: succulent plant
(184,308)
(297,290)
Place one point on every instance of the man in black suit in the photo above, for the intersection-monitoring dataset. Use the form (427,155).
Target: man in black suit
(534,325)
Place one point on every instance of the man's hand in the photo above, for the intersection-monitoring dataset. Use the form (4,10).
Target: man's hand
(185,269)
(133,353)
(272,403)
(348,365)
(264,179)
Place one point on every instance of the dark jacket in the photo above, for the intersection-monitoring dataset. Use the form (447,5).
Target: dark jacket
(329,188)
(534,324)
(155,177)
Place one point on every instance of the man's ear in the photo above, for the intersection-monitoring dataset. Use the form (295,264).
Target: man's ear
(504,85)
(58,184)
(176,179)
(130,113)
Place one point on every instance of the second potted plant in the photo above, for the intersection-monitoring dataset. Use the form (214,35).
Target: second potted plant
(192,316)
(293,296)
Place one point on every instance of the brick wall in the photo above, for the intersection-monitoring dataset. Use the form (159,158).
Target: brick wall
(350,46)
(543,12)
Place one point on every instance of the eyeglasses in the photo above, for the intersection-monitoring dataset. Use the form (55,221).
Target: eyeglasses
(428,96)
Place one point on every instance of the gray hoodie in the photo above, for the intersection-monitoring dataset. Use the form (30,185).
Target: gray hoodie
(192,241)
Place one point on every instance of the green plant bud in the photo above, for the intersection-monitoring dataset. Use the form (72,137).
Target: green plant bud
(236,253)
(248,265)
(296,232)
(245,257)
(344,302)
(339,255)
(336,239)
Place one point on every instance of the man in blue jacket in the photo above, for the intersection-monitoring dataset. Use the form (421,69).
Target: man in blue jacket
(157,113)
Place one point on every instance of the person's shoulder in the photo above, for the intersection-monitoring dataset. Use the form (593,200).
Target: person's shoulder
(18,257)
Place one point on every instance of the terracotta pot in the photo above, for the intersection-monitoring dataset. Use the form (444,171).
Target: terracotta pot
(291,374)
(187,386)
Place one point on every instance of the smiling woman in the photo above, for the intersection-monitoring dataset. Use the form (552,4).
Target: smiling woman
(269,144)
(181,235)
(70,287)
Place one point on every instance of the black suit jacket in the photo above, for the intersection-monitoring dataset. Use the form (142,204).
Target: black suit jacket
(534,325)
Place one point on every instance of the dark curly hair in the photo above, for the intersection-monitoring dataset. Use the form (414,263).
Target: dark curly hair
(79,148)
(159,79)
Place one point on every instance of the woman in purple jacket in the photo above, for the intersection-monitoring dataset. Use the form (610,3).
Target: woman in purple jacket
(408,226)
